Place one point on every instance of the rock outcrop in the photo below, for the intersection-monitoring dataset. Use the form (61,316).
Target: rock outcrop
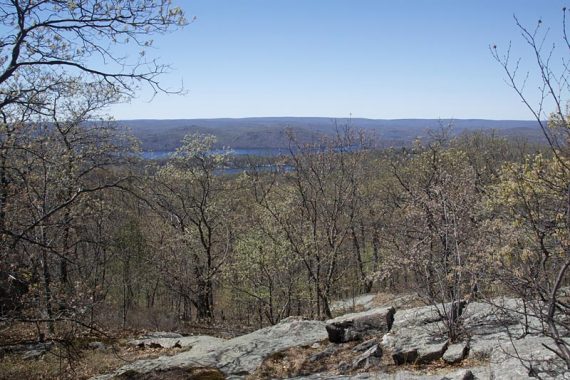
(491,336)
(234,357)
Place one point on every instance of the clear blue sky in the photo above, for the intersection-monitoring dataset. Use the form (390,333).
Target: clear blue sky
(369,58)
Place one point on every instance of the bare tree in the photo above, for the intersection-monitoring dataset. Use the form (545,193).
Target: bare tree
(55,48)
(317,207)
(60,65)
(538,191)
(434,232)
(196,203)
(45,40)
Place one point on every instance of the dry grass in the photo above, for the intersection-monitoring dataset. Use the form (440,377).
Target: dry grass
(438,367)
(177,374)
(295,361)
(90,363)
(15,332)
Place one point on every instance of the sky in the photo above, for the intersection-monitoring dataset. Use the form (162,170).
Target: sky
(381,59)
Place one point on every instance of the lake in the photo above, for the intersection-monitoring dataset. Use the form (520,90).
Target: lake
(259,152)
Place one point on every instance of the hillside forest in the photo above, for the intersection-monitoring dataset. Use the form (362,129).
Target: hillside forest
(95,239)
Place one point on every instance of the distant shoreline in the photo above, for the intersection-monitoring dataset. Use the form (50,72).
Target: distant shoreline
(271,133)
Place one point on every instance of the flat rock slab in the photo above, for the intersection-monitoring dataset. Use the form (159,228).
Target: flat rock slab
(514,360)
(416,317)
(496,316)
(356,326)
(485,319)
(236,357)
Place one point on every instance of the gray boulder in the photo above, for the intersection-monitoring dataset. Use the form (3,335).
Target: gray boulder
(455,353)
(417,336)
(421,352)
(356,326)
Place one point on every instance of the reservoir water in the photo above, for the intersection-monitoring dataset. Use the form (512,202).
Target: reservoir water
(259,152)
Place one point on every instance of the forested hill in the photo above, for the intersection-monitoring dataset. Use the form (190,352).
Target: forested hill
(269,132)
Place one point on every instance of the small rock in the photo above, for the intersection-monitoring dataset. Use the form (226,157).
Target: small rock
(343,367)
(329,351)
(316,345)
(402,357)
(419,353)
(463,375)
(365,345)
(388,340)
(98,346)
(368,359)
(431,352)
(455,353)
(467,375)
(33,351)
(33,354)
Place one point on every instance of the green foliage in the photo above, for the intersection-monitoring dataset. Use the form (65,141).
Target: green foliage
(530,206)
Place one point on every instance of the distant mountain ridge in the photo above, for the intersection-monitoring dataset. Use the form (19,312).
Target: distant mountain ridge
(269,132)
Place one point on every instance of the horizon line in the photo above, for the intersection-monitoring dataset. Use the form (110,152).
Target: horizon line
(323,117)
